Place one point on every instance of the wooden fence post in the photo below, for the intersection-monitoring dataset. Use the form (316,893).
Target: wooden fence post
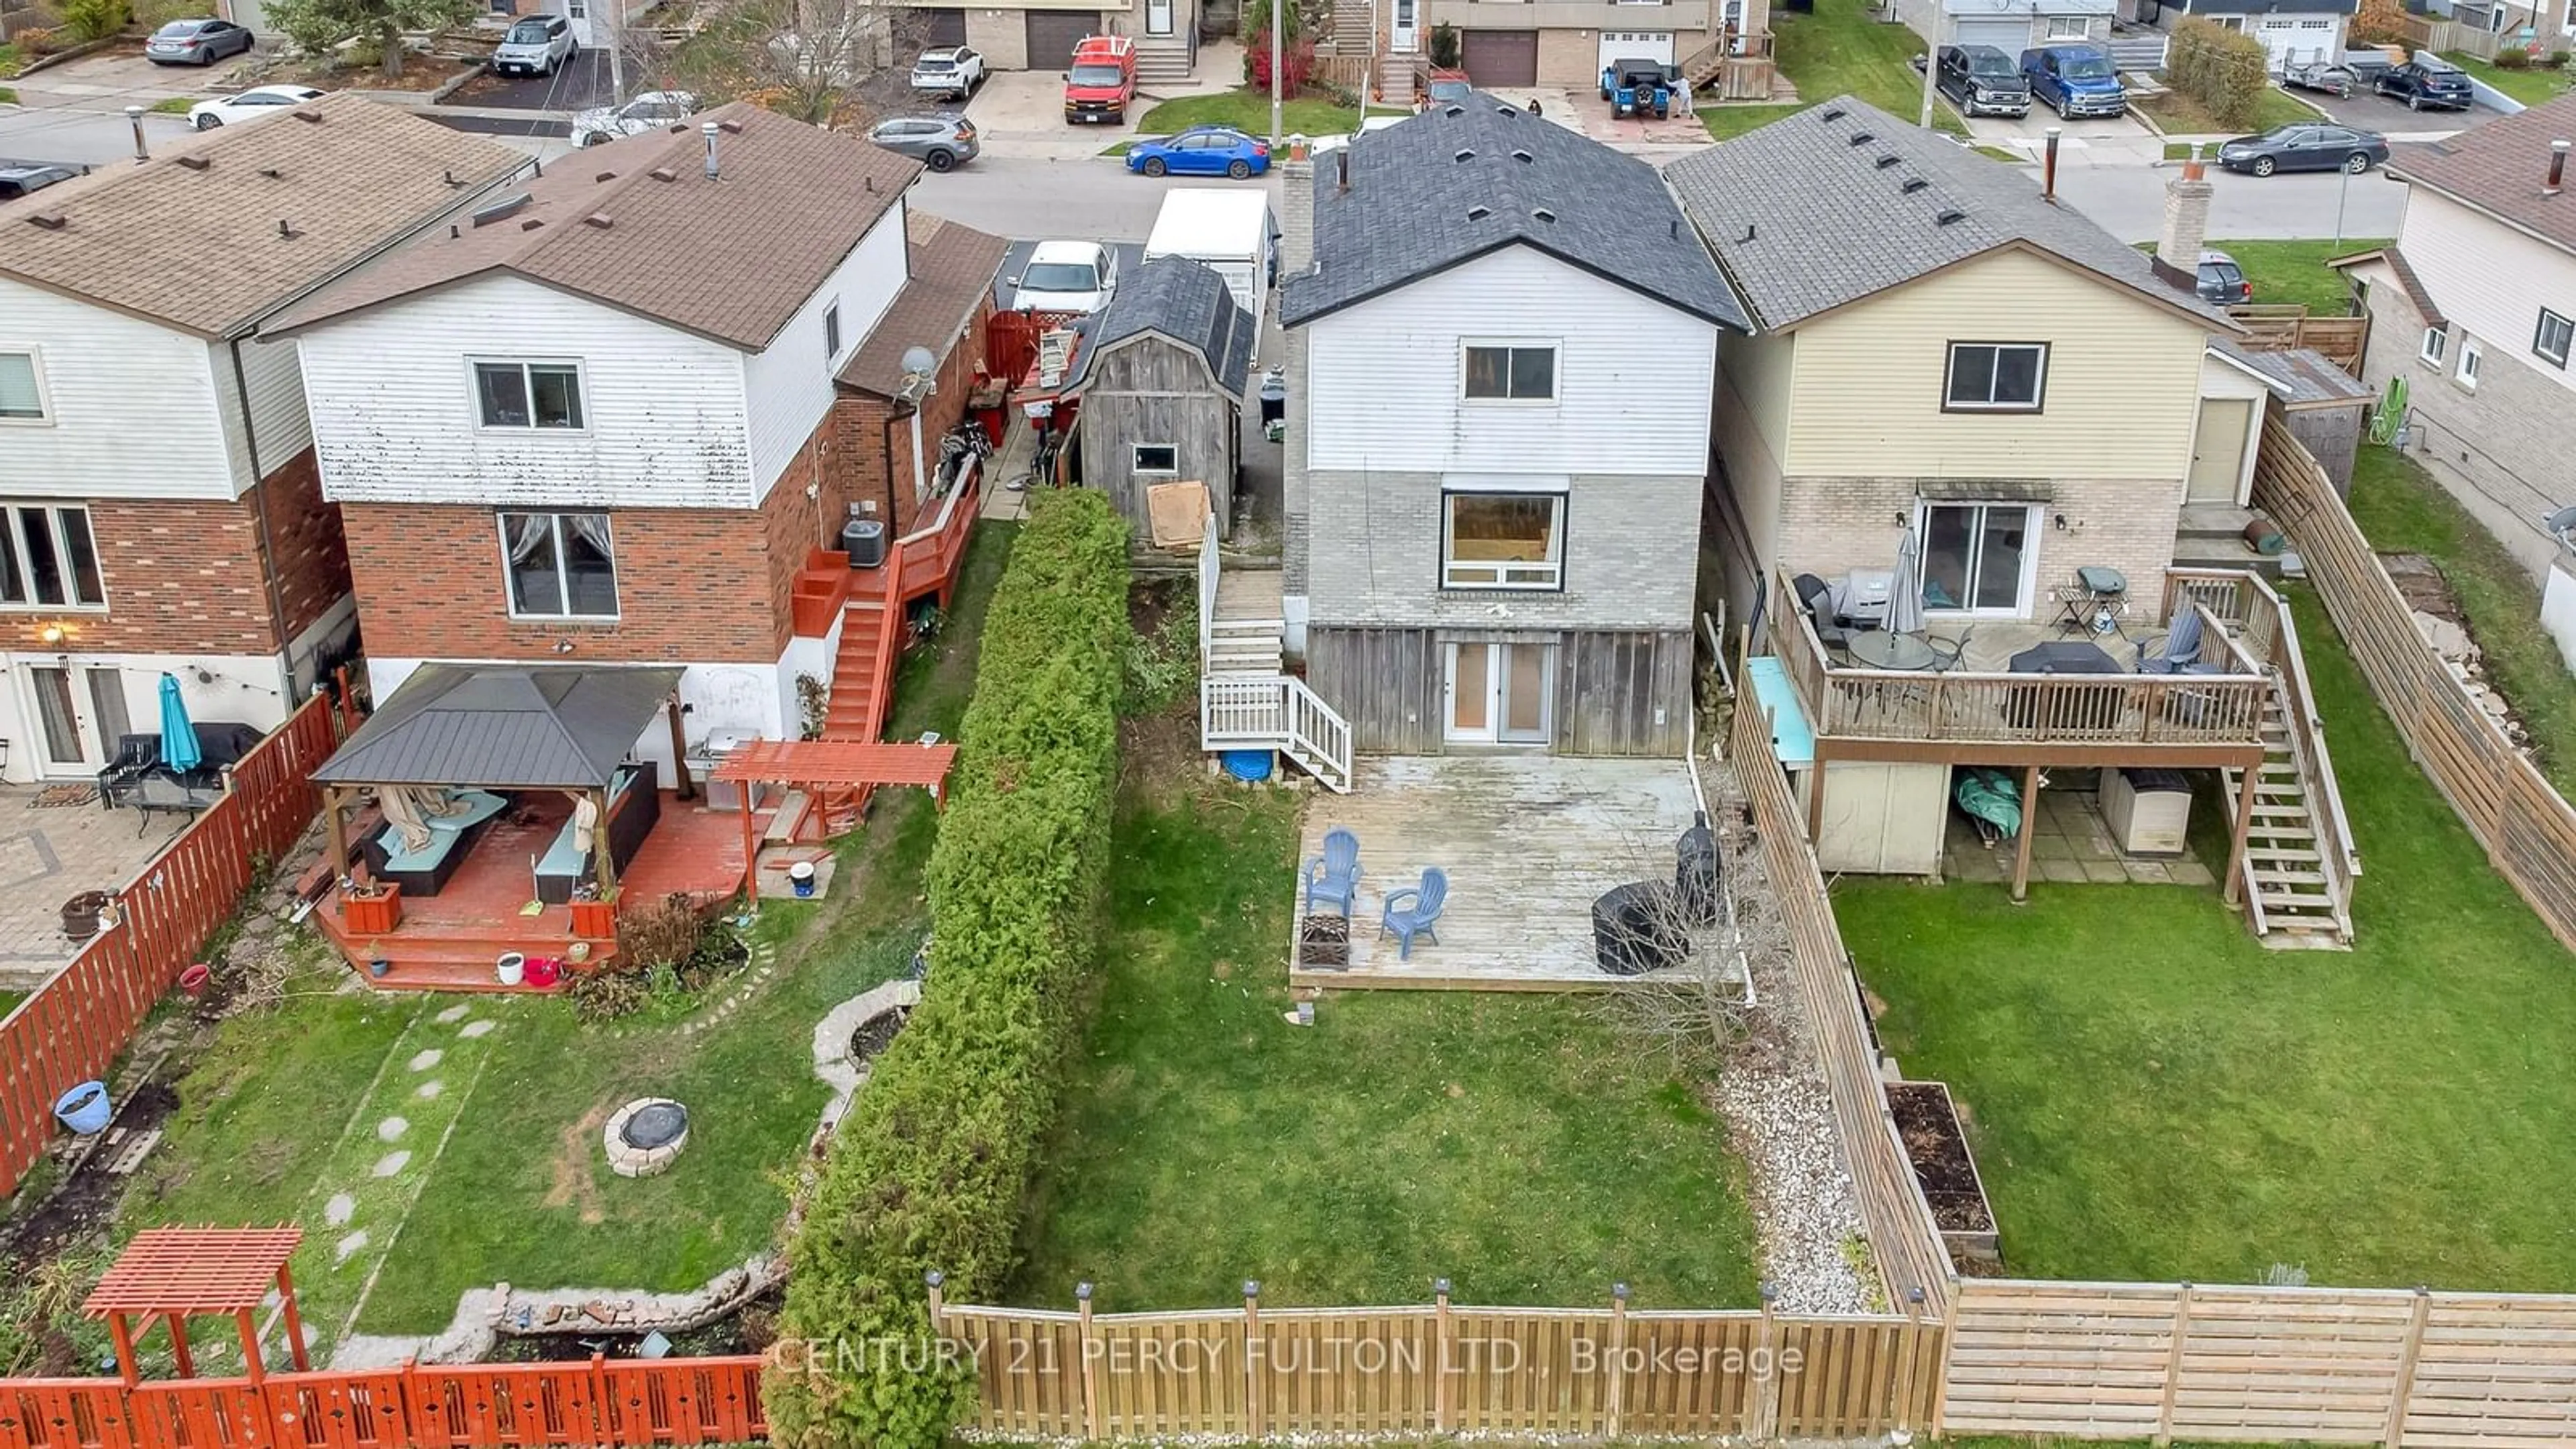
(2402,1393)
(1090,1363)
(1764,1420)
(1251,1356)
(1617,1397)
(1443,1346)
(1909,1361)
(2173,1358)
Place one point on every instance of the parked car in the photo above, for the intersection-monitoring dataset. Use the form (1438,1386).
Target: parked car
(18,178)
(1637,88)
(2304,146)
(938,142)
(535,45)
(1443,87)
(948,73)
(647,112)
(1201,151)
(1101,83)
(196,42)
(256,104)
(2420,83)
(2074,80)
(2325,77)
(1982,81)
(1066,276)
(2220,280)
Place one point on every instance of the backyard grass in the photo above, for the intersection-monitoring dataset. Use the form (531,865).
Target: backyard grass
(1839,50)
(2177,114)
(1726,122)
(2154,1096)
(9,1001)
(2531,85)
(1248,111)
(2295,272)
(283,1110)
(1504,1141)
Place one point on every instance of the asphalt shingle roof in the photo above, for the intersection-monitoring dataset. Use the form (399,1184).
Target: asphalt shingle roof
(1843,201)
(1461,180)
(953,267)
(1185,301)
(2502,167)
(503,726)
(192,237)
(2302,376)
(638,225)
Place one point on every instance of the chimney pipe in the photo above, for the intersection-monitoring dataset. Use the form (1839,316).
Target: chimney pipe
(1342,168)
(2557,167)
(2048,168)
(134,117)
(710,130)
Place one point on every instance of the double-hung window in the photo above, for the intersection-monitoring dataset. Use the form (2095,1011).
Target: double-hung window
(49,559)
(559,565)
(528,394)
(1510,372)
(2552,338)
(1996,377)
(22,387)
(1502,541)
(2472,358)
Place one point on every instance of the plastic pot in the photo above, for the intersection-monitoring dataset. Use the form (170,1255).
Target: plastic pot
(511,969)
(85,1109)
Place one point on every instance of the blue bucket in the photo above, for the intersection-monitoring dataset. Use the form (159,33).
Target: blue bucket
(1248,764)
(85,1108)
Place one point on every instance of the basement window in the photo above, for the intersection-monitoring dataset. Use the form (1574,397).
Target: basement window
(48,558)
(1154,458)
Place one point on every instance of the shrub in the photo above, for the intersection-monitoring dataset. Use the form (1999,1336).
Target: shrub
(2510,59)
(664,933)
(2225,71)
(1297,60)
(1445,46)
(2558,59)
(937,1155)
(1256,22)
(36,42)
(89,20)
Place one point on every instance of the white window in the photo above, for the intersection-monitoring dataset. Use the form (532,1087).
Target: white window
(1978,558)
(832,331)
(49,560)
(528,394)
(2069,27)
(1502,541)
(560,565)
(2435,345)
(1996,376)
(2553,338)
(2471,355)
(1510,372)
(1154,458)
(22,388)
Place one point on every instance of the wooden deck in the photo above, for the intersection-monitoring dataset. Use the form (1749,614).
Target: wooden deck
(1528,841)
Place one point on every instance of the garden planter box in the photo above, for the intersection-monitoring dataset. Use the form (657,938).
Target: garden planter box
(1324,942)
(595,920)
(373,915)
(1928,1122)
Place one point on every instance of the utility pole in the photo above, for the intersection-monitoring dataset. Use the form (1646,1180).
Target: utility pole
(615,14)
(1278,22)
(1931,62)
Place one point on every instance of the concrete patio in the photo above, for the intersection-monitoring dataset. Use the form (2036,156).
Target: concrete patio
(2070,843)
(48,854)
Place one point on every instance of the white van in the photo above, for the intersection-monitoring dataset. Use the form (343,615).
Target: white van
(1227,229)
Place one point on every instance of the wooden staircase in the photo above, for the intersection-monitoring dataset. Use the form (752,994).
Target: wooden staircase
(1247,699)
(857,707)
(2293,901)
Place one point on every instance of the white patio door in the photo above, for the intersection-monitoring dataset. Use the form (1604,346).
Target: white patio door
(79,716)
(1408,20)
(1500,693)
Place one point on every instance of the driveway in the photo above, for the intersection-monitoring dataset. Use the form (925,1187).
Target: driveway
(2378,113)
(582,82)
(1021,113)
(113,80)
(2028,133)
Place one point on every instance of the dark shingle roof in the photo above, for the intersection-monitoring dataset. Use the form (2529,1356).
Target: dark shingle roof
(1458,181)
(953,267)
(1182,300)
(1844,201)
(2407,279)
(504,726)
(2502,167)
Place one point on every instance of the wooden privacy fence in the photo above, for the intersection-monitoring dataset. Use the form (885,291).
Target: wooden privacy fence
(2528,830)
(1438,1368)
(624,1402)
(72,1028)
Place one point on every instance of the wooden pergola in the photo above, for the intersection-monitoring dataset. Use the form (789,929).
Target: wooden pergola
(173,1274)
(827,765)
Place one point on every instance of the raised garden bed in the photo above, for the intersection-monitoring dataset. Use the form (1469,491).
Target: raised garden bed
(1928,1122)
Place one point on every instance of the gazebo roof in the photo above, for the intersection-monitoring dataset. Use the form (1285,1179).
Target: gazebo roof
(504,726)
(194,1270)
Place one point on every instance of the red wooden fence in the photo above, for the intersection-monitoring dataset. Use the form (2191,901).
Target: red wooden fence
(621,1402)
(71,1030)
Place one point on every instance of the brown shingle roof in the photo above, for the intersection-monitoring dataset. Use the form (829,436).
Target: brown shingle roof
(191,237)
(2404,270)
(637,225)
(2503,167)
(953,267)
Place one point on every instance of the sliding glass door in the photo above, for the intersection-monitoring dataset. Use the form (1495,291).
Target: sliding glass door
(1978,558)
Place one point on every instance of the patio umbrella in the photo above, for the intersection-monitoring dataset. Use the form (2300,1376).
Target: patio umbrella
(1905,595)
(178,737)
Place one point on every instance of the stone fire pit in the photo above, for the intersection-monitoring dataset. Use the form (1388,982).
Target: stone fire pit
(645,1135)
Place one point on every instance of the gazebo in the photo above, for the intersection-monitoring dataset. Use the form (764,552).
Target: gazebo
(820,765)
(174,1274)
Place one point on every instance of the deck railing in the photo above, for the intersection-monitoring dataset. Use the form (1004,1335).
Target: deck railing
(1209,570)
(930,554)
(1278,712)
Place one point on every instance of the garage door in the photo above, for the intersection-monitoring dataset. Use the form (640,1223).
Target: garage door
(942,27)
(1636,45)
(1500,57)
(2011,36)
(2294,42)
(1054,33)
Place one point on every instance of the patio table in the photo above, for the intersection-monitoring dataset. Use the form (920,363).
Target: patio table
(1879,649)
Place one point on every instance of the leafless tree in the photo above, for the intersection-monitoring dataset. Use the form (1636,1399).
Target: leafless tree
(1698,1011)
(822,61)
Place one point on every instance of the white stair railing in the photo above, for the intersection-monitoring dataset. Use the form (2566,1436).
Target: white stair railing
(1278,712)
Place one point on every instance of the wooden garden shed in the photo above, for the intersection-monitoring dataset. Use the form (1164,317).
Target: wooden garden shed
(1161,381)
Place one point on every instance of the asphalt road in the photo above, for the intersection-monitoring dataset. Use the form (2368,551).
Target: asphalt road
(2128,201)
(1085,198)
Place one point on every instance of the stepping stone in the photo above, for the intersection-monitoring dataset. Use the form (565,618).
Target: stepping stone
(474,1029)
(391,1163)
(391,1128)
(353,1243)
(429,1090)
(455,1013)
(337,1212)
(430,1058)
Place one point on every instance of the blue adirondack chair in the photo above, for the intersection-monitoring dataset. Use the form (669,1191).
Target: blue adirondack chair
(1334,876)
(1410,913)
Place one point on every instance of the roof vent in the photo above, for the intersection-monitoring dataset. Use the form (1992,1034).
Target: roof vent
(286,232)
(1523,157)
(730,128)
(1913,184)
(310,118)
(196,163)
(1835,113)
(49,220)
(598,219)
(1502,110)
(1464,155)
(663,173)
(272,173)
(1949,215)
(1455,110)
(605,176)
(501,210)
(1886,161)
(532,223)
(1860,138)
(1543,214)
(1479,213)
(449,176)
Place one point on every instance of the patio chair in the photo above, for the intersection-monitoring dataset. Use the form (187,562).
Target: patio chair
(1817,597)
(1411,913)
(1946,653)
(1334,876)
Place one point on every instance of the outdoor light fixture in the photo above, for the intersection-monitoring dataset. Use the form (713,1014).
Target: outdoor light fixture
(1251,1287)
(1440,1286)
(53,635)
(1619,1291)
(1082,1292)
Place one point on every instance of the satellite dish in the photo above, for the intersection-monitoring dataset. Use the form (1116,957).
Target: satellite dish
(2563,522)
(919,359)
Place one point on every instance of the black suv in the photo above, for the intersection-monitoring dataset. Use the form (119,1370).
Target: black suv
(2442,87)
(1982,81)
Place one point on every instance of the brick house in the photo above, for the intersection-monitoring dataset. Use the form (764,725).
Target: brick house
(599,422)
(163,509)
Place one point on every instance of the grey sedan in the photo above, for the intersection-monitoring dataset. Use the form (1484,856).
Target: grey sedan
(196,42)
(938,142)
(2304,146)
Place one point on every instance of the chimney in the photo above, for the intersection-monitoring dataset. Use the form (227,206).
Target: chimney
(1342,167)
(2186,226)
(134,118)
(2048,168)
(710,130)
(2557,167)
(1297,217)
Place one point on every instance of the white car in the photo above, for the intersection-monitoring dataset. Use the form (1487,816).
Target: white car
(534,45)
(647,112)
(1066,276)
(256,104)
(950,72)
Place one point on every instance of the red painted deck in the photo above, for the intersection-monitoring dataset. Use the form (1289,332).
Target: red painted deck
(449,941)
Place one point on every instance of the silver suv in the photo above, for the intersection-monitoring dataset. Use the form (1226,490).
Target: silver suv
(536,45)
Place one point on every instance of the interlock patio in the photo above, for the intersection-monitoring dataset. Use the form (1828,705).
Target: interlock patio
(50,854)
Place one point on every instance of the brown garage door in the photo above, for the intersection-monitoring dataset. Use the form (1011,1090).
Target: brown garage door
(1054,33)
(1501,57)
(942,27)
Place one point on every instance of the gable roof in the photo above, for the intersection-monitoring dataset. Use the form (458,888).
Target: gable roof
(1823,208)
(1461,180)
(2501,168)
(1185,301)
(952,271)
(638,225)
(2407,279)
(503,726)
(192,239)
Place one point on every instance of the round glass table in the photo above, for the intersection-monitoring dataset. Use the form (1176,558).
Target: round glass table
(1879,649)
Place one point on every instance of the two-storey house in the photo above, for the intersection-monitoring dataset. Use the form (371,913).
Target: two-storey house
(2474,309)
(597,422)
(1502,342)
(160,511)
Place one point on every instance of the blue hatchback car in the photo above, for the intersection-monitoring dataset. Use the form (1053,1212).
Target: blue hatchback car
(1201,151)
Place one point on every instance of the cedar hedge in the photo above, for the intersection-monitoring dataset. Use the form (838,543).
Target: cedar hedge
(936,1157)
(2225,70)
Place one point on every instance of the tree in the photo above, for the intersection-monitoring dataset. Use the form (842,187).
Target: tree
(321,27)
(805,58)
(1256,22)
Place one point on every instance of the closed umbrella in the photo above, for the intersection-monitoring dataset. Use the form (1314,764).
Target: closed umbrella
(178,737)
(1905,595)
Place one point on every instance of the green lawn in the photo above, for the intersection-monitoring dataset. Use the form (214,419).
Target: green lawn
(9,1001)
(1725,122)
(1839,50)
(2179,115)
(2154,1096)
(2296,271)
(1502,1140)
(1248,111)
(173,105)
(281,1109)
(2531,85)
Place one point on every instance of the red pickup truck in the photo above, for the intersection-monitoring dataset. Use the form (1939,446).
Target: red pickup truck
(1101,83)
